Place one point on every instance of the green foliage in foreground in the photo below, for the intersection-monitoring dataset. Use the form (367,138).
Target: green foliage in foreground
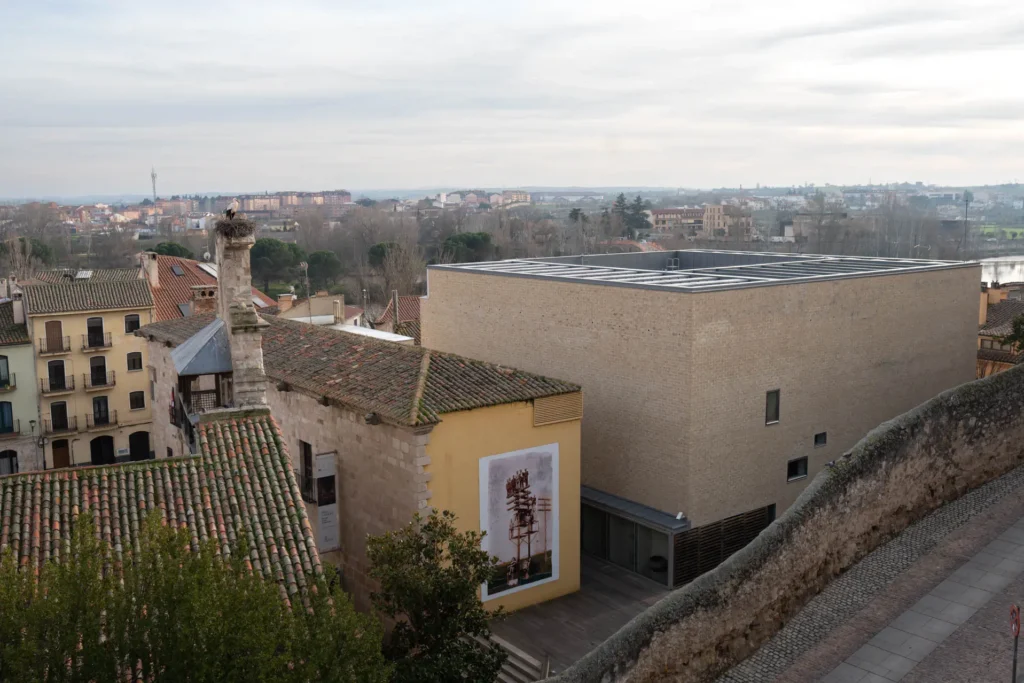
(429,573)
(174,614)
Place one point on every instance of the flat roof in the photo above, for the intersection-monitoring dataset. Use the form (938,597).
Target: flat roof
(701,270)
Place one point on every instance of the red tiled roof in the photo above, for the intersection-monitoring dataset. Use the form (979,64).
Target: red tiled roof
(240,486)
(1000,356)
(11,333)
(177,289)
(60,276)
(408,310)
(1000,316)
(406,385)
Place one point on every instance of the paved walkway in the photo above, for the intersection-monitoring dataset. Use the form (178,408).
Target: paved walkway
(917,609)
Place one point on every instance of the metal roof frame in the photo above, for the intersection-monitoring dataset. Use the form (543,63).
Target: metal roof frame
(764,268)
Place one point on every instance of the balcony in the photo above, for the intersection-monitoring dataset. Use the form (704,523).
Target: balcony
(57,385)
(95,381)
(10,431)
(8,383)
(67,424)
(101,420)
(96,341)
(52,347)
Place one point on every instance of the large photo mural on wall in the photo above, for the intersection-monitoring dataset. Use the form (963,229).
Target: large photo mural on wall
(519,512)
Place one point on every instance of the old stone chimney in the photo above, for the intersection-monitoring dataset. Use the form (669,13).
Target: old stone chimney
(339,311)
(204,299)
(284,302)
(18,308)
(234,306)
(147,261)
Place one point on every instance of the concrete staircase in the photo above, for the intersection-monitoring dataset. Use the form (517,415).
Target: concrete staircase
(519,667)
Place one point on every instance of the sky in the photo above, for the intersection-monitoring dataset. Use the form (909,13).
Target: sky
(250,96)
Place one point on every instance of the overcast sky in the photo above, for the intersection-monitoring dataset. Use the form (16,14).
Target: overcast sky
(251,96)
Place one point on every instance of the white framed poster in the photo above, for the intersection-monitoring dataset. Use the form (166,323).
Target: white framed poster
(519,512)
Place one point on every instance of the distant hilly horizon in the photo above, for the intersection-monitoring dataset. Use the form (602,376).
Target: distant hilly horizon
(409,193)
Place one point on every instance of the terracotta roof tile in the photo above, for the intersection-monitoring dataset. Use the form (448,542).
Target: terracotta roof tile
(1000,356)
(241,486)
(410,328)
(1000,318)
(408,310)
(87,296)
(10,332)
(406,385)
(176,289)
(62,276)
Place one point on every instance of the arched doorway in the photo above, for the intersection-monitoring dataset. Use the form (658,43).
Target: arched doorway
(102,450)
(138,445)
(8,462)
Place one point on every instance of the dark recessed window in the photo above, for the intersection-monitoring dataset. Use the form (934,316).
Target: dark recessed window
(796,469)
(771,408)
(170,452)
(131,323)
(134,361)
(137,400)
(820,439)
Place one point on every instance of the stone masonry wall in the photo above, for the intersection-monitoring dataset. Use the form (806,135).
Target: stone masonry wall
(380,477)
(894,476)
(164,435)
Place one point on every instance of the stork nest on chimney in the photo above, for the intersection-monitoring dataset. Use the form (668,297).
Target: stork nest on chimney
(235,227)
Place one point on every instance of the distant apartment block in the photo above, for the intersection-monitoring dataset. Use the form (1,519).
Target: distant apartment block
(515,197)
(717,383)
(335,197)
(685,220)
(261,203)
(728,221)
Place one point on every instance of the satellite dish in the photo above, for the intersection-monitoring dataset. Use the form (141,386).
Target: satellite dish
(206,256)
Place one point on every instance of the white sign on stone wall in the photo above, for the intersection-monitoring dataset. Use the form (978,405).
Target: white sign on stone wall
(328,528)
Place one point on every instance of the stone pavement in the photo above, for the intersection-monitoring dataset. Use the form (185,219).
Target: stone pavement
(911,601)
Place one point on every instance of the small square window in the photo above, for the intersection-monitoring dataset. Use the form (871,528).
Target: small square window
(134,361)
(796,469)
(137,400)
(820,439)
(771,409)
(131,323)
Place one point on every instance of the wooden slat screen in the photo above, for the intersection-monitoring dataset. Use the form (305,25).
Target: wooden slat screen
(704,548)
(551,409)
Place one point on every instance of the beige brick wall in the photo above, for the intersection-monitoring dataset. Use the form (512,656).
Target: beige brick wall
(675,382)
(380,475)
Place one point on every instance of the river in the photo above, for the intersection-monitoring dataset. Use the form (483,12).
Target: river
(1003,269)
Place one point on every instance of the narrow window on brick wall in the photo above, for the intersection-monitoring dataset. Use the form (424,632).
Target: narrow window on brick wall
(796,469)
(170,452)
(820,439)
(771,408)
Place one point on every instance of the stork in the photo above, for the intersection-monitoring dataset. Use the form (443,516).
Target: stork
(232,209)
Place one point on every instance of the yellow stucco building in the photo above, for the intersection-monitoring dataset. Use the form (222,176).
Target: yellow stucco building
(94,390)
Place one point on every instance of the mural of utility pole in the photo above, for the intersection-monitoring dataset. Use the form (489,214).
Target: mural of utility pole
(522,526)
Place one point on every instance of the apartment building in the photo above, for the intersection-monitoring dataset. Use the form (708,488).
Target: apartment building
(515,197)
(725,221)
(20,426)
(380,431)
(336,197)
(257,203)
(718,383)
(685,220)
(94,390)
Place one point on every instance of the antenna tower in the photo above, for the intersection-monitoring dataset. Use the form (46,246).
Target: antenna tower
(152,175)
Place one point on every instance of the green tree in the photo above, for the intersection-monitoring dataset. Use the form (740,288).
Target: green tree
(378,252)
(1016,335)
(366,202)
(324,269)
(466,247)
(636,219)
(175,615)
(172,249)
(621,208)
(272,259)
(429,574)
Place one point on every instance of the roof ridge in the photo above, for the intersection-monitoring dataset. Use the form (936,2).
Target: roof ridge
(421,385)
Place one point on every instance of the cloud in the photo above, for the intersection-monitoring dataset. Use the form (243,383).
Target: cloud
(316,94)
